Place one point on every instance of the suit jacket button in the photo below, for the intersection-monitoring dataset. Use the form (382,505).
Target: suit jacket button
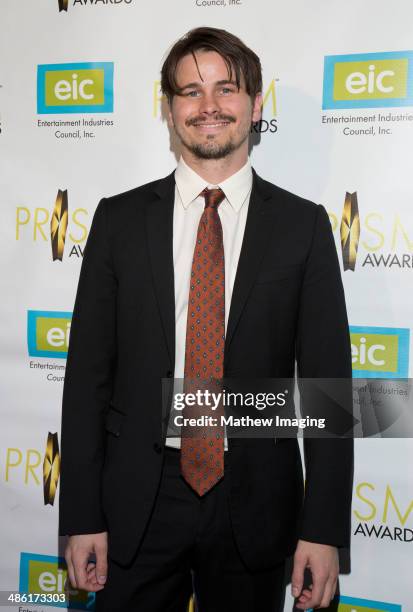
(169,374)
(157,448)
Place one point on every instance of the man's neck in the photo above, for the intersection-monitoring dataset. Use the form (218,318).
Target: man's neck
(215,170)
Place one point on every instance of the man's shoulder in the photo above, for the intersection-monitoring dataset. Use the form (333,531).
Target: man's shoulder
(142,193)
(292,202)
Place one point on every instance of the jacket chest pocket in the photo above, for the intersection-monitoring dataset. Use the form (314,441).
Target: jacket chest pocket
(114,421)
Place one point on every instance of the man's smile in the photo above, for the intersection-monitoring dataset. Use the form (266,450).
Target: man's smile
(209,126)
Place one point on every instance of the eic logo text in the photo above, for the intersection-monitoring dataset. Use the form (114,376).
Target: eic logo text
(368,80)
(75,88)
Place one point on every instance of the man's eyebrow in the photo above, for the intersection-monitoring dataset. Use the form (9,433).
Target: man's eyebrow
(197,84)
(227,82)
(194,84)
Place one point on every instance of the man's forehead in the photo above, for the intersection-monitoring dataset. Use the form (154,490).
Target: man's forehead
(209,66)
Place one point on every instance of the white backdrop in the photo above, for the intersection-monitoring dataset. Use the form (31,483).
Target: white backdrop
(298,150)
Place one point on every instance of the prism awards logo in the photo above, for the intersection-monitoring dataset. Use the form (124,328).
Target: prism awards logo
(350,231)
(63,4)
(51,469)
(386,239)
(368,80)
(58,225)
(52,225)
(380,352)
(75,88)
(355,604)
(383,512)
(48,333)
(31,466)
(48,575)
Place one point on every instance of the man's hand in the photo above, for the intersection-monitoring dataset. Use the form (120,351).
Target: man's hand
(84,575)
(322,560)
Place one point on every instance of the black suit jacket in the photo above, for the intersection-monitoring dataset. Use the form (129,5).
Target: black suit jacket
(287,304)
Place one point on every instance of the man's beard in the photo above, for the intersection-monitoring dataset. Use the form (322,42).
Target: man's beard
(212,149)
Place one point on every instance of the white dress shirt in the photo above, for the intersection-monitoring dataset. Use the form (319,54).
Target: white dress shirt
(188,208)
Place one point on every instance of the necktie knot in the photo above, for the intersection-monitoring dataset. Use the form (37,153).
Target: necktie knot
(213,197)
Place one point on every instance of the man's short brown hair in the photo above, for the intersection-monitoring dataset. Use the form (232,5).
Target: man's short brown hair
(239,58)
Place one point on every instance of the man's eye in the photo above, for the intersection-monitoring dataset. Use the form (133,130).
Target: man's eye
(226,90)
(192,94)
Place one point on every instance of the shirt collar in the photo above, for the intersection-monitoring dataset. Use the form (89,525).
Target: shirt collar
(236,187)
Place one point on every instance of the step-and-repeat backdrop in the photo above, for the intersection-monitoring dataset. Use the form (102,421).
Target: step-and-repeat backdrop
(82,116)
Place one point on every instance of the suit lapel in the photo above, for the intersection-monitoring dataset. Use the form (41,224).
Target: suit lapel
(159,227)
(257,232)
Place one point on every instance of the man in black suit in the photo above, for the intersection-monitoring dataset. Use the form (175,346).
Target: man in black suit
(126,491)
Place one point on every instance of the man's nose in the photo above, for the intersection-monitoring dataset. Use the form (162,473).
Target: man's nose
(209,103)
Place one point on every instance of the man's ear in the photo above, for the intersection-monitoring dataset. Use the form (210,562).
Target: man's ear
(257,108)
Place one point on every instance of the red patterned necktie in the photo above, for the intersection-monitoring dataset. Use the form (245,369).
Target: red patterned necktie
(202,447)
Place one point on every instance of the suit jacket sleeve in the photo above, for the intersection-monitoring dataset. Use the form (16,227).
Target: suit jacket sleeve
(88,384)
(323,350)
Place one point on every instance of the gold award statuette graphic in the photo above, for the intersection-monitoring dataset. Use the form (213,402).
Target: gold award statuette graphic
(63,5)
(58,225)
(51,469)
(350,231)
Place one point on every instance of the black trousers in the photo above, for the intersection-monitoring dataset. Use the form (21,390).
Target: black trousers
(189,547)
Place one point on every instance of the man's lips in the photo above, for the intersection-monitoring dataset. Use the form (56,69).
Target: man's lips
(211,125)
(210,122)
